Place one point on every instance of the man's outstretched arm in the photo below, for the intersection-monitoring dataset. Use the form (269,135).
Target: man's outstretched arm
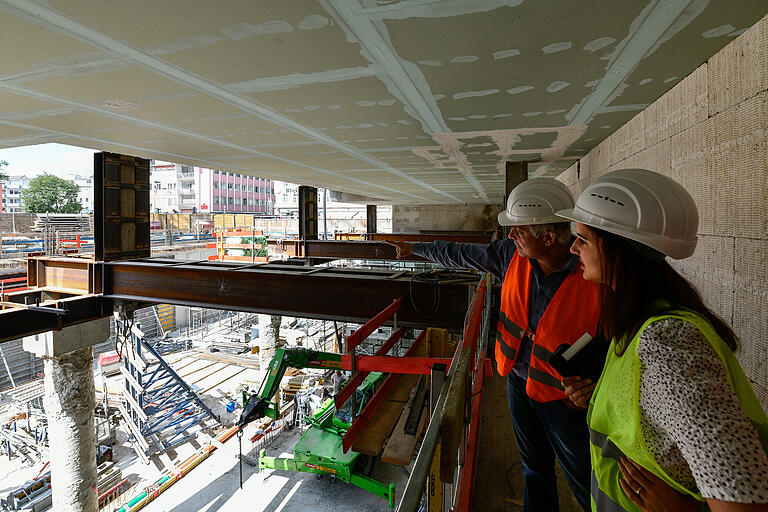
(493,258)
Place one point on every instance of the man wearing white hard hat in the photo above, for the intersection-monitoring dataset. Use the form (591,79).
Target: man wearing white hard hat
(673,420)
(544,303)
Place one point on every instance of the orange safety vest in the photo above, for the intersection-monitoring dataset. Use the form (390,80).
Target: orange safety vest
(574,310)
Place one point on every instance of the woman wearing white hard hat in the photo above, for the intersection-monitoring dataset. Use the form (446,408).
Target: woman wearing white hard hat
(673,419)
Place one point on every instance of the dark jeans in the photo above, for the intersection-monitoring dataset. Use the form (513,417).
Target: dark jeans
(545,431)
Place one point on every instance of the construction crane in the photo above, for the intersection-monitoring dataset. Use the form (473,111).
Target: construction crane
(319,451)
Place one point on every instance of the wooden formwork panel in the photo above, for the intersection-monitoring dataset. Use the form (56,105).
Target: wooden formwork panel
(121,213)
(308,217)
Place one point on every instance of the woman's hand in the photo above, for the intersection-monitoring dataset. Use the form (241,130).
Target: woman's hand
(650,492)
(578,390)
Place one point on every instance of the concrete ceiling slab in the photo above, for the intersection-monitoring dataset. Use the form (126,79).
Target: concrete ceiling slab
(415,101)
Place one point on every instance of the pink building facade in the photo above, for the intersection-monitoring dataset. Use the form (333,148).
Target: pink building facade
(186,189)
(228,192)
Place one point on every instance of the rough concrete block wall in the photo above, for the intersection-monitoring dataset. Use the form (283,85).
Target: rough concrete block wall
(22,221)
(415,219)
(710,133)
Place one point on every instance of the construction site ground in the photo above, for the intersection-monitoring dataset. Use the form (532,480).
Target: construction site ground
(215,485)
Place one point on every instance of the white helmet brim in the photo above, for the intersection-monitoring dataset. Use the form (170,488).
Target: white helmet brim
(675,249)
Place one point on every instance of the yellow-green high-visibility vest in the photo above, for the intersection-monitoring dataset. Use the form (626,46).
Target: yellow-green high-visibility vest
(614,416)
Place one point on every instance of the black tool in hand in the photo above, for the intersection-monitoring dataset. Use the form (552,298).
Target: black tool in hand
(585,358)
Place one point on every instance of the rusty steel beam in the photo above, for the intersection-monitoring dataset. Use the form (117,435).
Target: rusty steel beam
(17,323)
(325,293)
(337,249)
(63,274)
(467,238)
(75,284)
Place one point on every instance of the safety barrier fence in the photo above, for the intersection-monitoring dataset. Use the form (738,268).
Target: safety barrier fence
(445,467)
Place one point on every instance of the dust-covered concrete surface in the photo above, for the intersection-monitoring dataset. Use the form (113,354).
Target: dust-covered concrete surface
(214,485)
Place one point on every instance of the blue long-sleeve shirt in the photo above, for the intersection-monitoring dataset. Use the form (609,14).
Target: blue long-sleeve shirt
(494,259)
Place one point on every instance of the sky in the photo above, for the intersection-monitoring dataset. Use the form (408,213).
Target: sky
(64,161)
(57,159)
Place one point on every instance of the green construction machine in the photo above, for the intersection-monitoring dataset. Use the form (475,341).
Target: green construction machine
(319,451)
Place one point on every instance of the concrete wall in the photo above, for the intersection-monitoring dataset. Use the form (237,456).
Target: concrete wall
(415,219)
(23,221)
(709,134)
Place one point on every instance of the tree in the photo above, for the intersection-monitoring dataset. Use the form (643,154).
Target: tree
(3,176)
(50,194)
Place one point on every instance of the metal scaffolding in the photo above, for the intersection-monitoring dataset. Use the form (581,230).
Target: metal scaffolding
(160,409)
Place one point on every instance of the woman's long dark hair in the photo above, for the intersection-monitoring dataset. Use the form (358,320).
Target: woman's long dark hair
(640,283)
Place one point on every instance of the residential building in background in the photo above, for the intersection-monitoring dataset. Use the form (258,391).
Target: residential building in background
(11,193)
(11,189)
(186,189)
(85,192)
(287,199)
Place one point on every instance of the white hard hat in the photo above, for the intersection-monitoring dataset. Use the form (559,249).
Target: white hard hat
(643,206)
(536,201)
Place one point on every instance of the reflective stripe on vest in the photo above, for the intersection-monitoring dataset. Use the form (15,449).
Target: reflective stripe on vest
(542,353)
(573,310)
(608,449)
(544,378)
(614,414)
(602,501)
(511,327)
(508,351)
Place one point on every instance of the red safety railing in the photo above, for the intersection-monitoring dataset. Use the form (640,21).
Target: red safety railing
(391,364)
(480,366)
(374,323)
(356,338)
(378,398)
(473,436)
(354,382)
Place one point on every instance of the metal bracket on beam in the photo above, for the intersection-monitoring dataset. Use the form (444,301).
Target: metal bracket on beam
(30,307)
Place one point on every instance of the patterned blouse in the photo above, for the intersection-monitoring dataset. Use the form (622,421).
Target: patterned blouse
(692,421)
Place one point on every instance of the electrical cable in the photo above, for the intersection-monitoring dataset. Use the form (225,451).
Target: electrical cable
(122,334)
(426,277)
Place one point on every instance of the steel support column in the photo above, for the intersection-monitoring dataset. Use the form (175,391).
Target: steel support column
(370,216)
(307,213)
(516,173)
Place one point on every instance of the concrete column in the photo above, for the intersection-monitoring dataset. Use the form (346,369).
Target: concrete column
(269,337)
(69,402)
